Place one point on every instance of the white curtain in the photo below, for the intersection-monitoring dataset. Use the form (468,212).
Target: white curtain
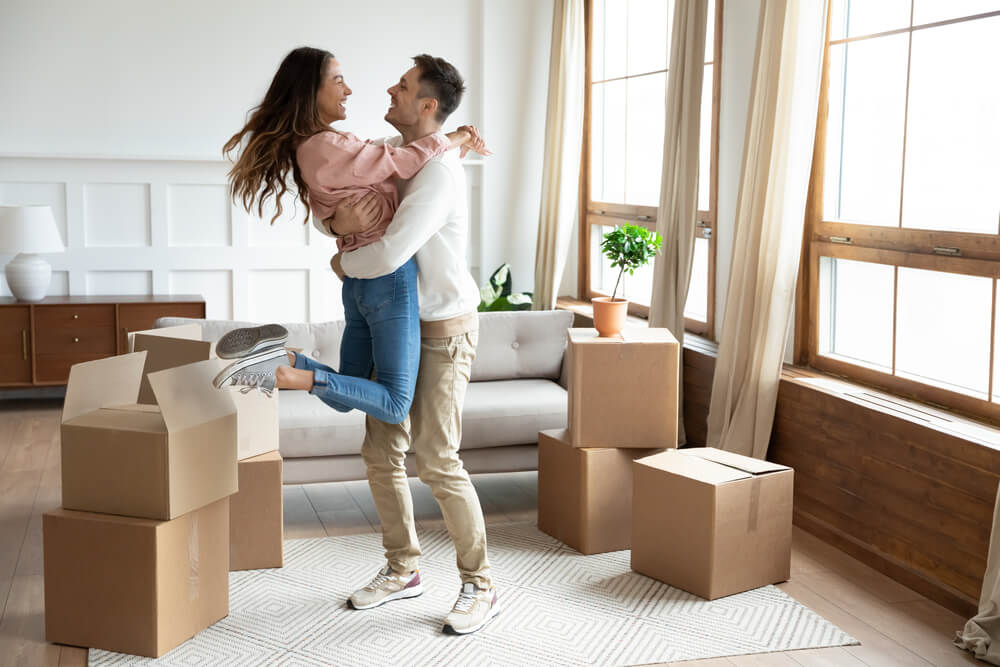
(777,154)
(677,215)
(563,142)
(981,632)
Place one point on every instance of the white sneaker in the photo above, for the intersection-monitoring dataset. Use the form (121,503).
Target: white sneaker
(253,372)
(386,587)
(474,608)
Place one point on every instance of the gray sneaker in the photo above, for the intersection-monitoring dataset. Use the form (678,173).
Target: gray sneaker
(386,587)
(248,341)
(254,372)
(474,608)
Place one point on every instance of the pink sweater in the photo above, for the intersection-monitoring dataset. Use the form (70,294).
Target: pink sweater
(338,167)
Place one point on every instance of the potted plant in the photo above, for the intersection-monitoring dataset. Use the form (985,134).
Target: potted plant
(628,247)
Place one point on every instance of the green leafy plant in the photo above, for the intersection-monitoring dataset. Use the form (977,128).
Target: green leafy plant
(497,294)
(629,247)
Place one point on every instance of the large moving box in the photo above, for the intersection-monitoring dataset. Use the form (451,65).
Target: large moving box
(169,347)
(623,390)
(152,461)
(256,525)
(585,494)
(711,522)
(134,585)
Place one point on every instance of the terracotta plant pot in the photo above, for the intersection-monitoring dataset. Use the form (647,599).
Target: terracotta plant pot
(609,316)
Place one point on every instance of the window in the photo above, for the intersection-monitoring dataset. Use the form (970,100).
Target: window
(903,227)
(628,42)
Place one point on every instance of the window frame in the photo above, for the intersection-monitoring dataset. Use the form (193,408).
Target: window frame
(899,247)
(610,214)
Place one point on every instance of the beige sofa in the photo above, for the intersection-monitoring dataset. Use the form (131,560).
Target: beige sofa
(518,388)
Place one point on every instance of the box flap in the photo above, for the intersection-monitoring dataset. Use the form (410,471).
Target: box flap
(170,351)
(119,419)
(183,331)
(104,382)
(186,396)
(732,460)
(693,467)
(655,335)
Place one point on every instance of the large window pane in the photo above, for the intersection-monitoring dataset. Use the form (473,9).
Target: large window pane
(855,312)
(696,306)
(953,137)
(597,43)
(597,141)
(929,11)
(612,163)
(864,142)
(996,349)
(943,329)
(705,143)
(644,139)
(648,34)
(853,18)
(615,37)
(637,288)
(709,32)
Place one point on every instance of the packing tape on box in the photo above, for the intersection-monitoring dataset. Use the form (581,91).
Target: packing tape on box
(754,504)
(193,553)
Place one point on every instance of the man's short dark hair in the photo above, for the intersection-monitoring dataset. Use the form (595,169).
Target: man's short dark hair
(439,79)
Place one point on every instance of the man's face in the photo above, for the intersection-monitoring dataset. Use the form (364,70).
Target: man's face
(333,93)
(406,107)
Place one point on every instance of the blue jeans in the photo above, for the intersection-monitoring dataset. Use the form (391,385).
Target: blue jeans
(382,332)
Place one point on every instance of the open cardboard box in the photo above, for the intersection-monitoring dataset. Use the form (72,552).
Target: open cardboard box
(623,390)
(132,585)
(711,522)
(152,461)
(256,414)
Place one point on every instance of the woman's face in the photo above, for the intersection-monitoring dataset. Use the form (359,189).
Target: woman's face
(333,93)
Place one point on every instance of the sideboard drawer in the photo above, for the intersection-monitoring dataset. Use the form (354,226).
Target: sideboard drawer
(48,318)
(67,335)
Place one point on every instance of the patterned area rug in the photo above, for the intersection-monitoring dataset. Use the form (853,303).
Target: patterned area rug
(558,608)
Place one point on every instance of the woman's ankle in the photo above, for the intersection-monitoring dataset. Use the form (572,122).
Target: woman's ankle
(287,377)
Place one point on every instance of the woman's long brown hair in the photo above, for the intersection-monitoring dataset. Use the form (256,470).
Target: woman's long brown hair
(287,116)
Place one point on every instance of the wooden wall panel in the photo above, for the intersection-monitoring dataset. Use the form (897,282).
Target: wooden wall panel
(907,498)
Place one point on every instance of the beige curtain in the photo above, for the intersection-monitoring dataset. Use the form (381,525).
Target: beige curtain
(781,123)
(677,215)
(563,141)
(980,633)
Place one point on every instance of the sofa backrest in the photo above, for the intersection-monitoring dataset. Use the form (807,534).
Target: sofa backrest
(512,345)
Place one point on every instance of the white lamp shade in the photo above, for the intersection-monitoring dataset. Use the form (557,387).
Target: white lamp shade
(29,229)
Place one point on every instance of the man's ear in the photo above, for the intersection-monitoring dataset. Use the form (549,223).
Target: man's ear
(428,106)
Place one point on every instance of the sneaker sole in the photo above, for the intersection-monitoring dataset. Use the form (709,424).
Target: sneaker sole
(494,611)
(240,343)
(404,594)
(235,367)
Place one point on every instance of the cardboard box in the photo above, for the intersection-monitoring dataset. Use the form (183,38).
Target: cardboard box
(135,585)
(623,390)
(256,517)
(169,347)
(585,494)
(151,461)
(711,522)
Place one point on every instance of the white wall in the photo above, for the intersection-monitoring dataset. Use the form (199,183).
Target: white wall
(119,103)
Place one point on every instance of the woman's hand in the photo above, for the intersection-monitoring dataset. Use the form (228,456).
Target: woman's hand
(474,143)
(335,265)
(355,218)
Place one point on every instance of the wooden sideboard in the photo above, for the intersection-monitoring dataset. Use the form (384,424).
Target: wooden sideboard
(40,341)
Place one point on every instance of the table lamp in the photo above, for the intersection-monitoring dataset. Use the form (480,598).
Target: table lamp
(27,231)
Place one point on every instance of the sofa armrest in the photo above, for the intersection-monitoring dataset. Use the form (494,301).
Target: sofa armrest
(564,371)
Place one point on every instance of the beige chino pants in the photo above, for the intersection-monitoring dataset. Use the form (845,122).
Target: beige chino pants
(434,430)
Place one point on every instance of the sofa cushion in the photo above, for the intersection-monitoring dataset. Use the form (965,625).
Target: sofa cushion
(496,414)
(520,344)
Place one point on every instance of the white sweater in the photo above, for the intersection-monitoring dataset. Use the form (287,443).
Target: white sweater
(432,222)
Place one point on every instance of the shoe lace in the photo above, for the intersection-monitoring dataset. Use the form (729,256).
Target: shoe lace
(252,381)
(465,601)
(379,579)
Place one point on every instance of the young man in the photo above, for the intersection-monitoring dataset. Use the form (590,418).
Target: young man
(432,224)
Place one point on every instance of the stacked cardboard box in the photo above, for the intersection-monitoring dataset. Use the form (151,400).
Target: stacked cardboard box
(137,559)
(255,512)
(622,406)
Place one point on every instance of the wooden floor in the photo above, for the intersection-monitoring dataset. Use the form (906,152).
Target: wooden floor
(895,625)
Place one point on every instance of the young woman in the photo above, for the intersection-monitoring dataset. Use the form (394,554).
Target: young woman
(290,133)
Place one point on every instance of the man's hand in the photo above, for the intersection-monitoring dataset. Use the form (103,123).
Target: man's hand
(475,143)
(335,265)
(350,219)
